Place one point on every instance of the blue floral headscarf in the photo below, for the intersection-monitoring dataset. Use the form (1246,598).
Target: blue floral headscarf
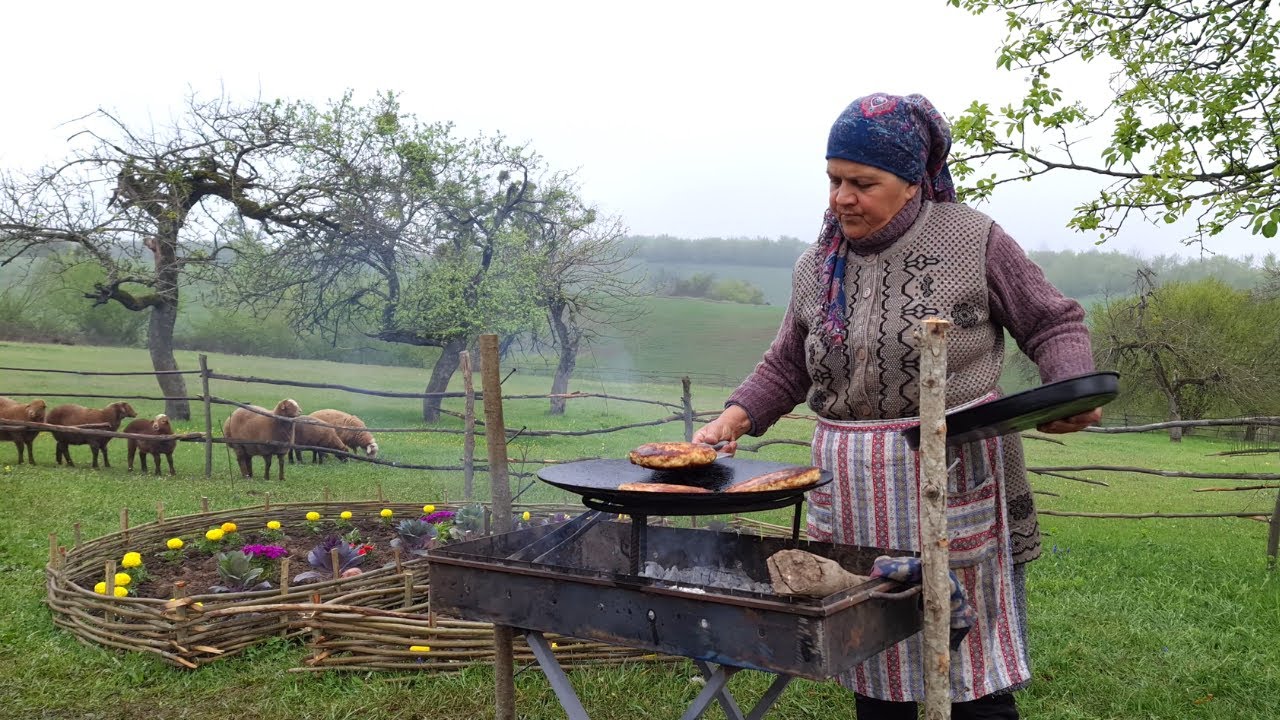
(906,136)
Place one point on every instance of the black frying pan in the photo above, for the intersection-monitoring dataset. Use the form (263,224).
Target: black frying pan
(597,482)
(1027,409)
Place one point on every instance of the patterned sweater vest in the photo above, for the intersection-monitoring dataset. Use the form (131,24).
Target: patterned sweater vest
(936,269)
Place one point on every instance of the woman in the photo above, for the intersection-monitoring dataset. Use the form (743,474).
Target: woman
(894,249)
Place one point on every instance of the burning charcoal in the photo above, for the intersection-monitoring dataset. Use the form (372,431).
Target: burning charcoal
(734,579)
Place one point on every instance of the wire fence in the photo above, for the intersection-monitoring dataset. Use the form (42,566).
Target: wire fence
(1255,434)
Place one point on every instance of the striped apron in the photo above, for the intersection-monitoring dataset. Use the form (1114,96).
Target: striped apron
(875,500)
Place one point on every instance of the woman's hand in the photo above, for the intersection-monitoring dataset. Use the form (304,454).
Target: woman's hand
(727,428)
(1073,423)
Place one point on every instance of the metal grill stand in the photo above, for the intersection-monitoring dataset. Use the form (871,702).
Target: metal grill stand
(716,688)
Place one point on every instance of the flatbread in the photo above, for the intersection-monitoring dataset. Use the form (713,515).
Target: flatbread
(786,479)
(672,455)
(661,488)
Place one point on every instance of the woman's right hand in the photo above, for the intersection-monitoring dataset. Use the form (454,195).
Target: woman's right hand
(727,428)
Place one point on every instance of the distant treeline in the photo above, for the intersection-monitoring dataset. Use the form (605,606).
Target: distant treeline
(1086,276)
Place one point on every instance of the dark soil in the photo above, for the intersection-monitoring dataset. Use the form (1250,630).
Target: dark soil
(199,569)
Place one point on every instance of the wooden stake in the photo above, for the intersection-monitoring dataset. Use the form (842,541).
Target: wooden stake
(204,504)
(326,493)
(124,525)
(380,497)
(934,550)
(408,589)
(333,561)
(686,396)
(496,438)
(159,512)
(266,501)
(76,531)
(208,415)
(469,429)
(1273,537)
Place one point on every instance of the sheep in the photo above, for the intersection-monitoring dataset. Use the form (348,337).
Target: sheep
(73,415)
(307,433)
(247,426)
(156,448)
(353,432)
(33,411)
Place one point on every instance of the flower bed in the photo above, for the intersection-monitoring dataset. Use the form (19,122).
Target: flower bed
(169,609)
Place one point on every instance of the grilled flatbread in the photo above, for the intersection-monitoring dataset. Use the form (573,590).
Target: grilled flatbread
(661,488)
(673,455)
(788,479)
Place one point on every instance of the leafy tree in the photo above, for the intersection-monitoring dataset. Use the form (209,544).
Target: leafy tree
(146,207)
(1198,348)
(424,238)
(1192,121)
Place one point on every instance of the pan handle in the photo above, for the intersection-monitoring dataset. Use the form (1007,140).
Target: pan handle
(901,595)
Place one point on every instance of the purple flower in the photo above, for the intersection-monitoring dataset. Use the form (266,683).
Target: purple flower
(270,552)
(439,516)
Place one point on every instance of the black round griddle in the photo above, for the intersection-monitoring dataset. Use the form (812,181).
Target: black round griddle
(1027,409)
(597,482)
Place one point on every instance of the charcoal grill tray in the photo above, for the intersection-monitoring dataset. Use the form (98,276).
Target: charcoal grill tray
(597,482)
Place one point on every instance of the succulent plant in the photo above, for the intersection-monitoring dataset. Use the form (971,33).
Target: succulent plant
(238,574)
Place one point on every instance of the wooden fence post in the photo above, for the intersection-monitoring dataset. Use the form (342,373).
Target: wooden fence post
(496,437)
(687,397)
(1273,537)
(469,427)
(934,551)
(208,415)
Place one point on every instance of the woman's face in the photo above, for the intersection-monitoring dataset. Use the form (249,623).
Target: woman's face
(865,198)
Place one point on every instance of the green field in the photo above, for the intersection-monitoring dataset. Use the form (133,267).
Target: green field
(1129,619)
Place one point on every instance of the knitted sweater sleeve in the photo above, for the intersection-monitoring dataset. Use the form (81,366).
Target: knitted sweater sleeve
(1048,326)
(780,380)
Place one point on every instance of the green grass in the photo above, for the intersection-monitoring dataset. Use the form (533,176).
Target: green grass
(1129,619)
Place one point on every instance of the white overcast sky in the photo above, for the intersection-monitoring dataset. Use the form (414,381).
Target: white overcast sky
(686,118)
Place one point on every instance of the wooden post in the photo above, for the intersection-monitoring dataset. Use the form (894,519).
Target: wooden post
(1273,537)
(53,550)
(687,397)
(266,501)
(496,438)
(469,429)
(284,590)
(159,512)
(333,562)
(204,504)
(934,551)
(124,525)
(408,589)
(208,415)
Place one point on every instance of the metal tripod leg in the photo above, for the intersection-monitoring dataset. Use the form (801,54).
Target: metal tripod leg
(555,675)
(730,706)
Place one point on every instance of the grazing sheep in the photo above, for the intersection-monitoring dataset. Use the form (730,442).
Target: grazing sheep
(31,412)
(73,415)
(352,432)
(307,433)
(253,429)
(156,448)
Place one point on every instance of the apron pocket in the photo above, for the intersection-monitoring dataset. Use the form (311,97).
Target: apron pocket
(973,524)
(818,526)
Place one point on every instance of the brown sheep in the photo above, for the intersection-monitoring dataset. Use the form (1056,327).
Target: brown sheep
(155,448)
(353,432)
(275,426)
(73,415)
(307,433)
(33,411)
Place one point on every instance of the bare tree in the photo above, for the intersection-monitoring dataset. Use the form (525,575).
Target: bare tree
(142,205)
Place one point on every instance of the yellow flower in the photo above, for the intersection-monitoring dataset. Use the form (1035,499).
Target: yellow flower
(313,516)
(386,512)
(100,588)
(123,579)
(228,527)
(174,543)
(428,509)
(273,524)
(419,648)
(555,645)
(345,514)
(121,592)
(8,468)
(131,560)
(214,535)
(525,516)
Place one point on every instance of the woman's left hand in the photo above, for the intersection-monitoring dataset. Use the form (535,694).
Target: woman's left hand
(1073,423)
